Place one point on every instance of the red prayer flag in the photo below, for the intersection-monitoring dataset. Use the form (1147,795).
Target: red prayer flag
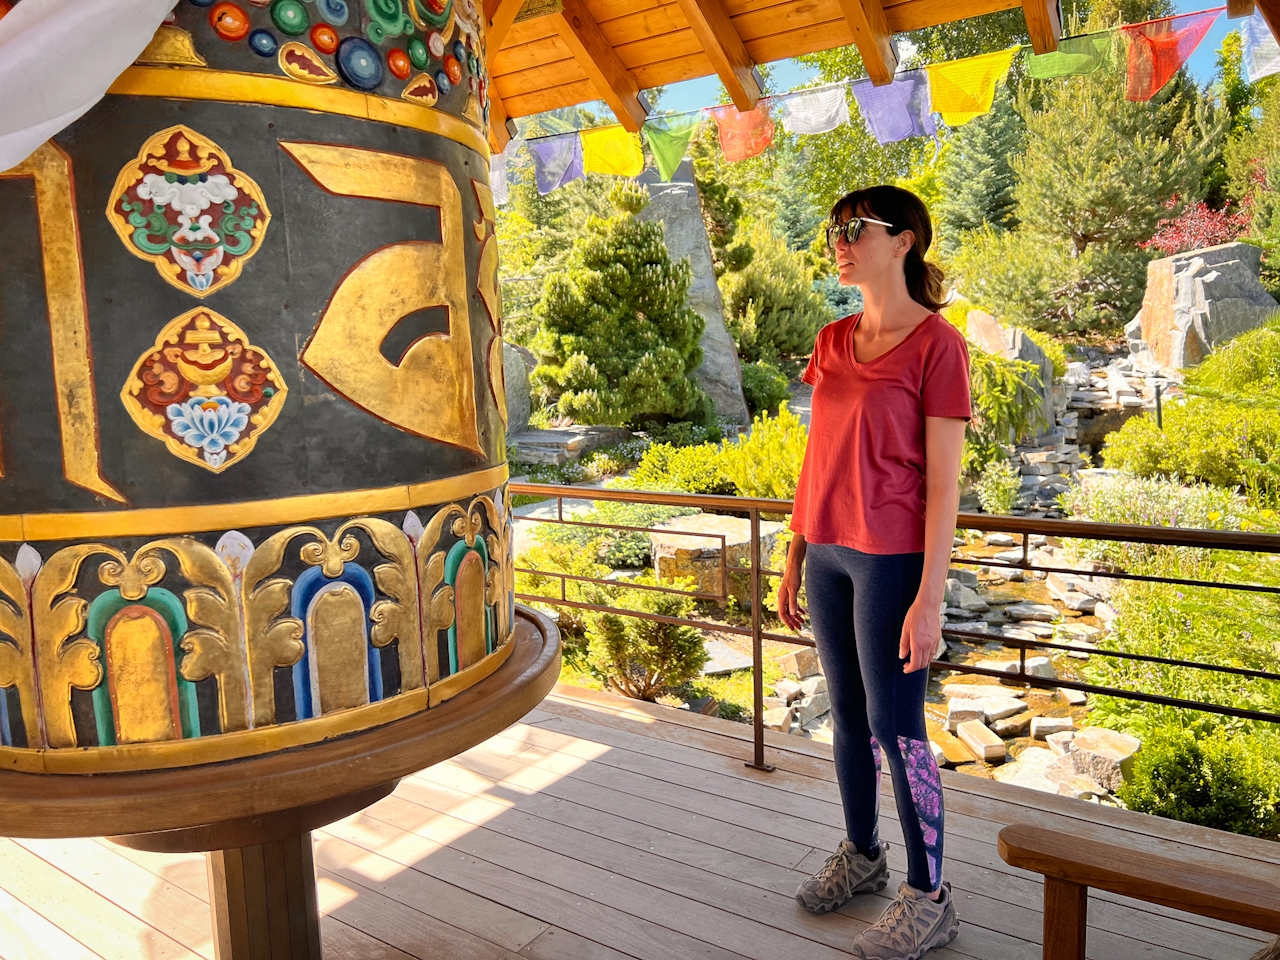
(1159,48)
(743,135)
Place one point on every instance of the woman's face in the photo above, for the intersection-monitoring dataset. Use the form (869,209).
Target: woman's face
(873,254)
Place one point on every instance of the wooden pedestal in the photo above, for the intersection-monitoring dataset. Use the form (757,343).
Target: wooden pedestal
(264,901)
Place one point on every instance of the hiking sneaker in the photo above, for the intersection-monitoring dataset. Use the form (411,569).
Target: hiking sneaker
(845,873)
(910,927)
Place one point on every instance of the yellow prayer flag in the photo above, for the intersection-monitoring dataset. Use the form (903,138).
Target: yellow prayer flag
(611,150)
(964,89)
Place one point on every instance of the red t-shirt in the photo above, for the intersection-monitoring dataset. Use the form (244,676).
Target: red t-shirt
(863,481)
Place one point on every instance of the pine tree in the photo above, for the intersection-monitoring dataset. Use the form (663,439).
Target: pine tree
(770,306)
(977,179)
(618,342)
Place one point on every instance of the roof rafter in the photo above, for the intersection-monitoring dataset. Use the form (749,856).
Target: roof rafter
(715,32)
(500,131)
(1044,24)
(873,38)
(500,14)
(1239,8)
(600,62)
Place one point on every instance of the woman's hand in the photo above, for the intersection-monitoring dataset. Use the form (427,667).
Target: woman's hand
(789,608)
(921,635)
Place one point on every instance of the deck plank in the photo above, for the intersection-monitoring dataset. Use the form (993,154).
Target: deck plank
(606,829)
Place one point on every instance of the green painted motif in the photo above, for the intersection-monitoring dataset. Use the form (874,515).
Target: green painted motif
(232,229)
(386,19)
(169,607)
(453,560)
(437,20)
(290,17)
(417,53)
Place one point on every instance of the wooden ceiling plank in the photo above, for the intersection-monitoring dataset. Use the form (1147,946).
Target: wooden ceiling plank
(551,98)
(873,38)
(1239,8)
(1044,24)
(710,23)
(500,23)
(613,82)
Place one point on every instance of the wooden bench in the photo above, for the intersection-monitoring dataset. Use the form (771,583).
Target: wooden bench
(1071,864)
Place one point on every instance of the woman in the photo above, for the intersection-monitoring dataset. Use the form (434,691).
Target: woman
(874,517)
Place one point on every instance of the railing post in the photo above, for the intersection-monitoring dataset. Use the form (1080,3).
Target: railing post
(757,648)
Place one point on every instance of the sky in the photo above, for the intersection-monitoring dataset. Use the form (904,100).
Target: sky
(787,74)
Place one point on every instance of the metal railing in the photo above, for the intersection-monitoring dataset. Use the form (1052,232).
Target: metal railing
(757,508)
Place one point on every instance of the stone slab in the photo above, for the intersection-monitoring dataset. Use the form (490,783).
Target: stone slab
(724,659)
(984,744)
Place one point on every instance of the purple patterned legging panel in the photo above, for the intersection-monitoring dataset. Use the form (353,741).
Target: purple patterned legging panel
(857,605)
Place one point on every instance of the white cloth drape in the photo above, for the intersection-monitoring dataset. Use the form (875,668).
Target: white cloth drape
(815,111)
(57,58)
(1261,52)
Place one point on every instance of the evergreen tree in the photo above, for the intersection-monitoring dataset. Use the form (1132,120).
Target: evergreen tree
(617,340)
(770,306)
(977,178)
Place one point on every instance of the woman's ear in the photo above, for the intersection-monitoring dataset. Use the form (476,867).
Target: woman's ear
(903,242)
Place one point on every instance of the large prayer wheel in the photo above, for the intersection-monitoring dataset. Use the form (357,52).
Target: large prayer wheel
(252,463)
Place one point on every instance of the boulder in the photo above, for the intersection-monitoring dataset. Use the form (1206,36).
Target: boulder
(692,549)
(779,718)
(1104,756)
(515,376)
(997,708)
(788,690)
(1028,770)
(1042,727)
(1074,698)
(1060,743)
(677,207)
(966,577)
(562,444)
(961,711)
(814,685)
(1032,611)
(1014,726)
(1198,300)
(810,708)
(801,662)
(724,659)
(981,741)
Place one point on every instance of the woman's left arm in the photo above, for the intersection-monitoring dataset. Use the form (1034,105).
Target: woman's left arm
(922,630)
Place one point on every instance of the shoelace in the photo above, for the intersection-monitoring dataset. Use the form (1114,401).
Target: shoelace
(828,871)
(900,908)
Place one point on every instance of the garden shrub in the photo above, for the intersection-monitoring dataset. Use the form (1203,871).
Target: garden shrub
(697,469)
(1203,440)
(683,433)
(618,341)
(642,658)
(1006,407)
(1213,780)
(569,560)
(998,487)
(1056,353)
(764,386)
(1246,365)
(617,549)
(766,462)
(770,306)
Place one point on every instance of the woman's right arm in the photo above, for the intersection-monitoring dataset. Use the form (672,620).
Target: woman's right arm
(789,608)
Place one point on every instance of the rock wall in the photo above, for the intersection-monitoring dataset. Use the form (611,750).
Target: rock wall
(1196,301)
(676,205)
(1014,344)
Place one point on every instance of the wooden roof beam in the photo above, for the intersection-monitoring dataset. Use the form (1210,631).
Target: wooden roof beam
(1239,8)
(1270,10)
(1044,24)
(501,14)
(501,128)
(873,38)
(600,62)
(715,32)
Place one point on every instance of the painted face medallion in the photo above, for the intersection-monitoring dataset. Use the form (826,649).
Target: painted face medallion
(421,90)
(299,62)
(183,206)
(204,390)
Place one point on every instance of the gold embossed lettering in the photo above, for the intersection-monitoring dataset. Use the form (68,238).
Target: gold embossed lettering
(431,390)
(50,167)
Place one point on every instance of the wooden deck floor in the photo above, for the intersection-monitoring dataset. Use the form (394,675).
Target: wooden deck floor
(600,829)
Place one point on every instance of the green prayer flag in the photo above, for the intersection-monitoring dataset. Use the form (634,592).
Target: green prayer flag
(668,139)
(1074,57)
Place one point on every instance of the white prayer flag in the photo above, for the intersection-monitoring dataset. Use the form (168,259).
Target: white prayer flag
(1261,52)
(498,171)
(815,111)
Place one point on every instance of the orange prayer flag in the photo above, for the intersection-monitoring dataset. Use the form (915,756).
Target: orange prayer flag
(1159,48)
(743,135)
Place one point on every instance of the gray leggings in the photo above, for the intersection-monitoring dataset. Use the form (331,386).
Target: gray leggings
(857,605)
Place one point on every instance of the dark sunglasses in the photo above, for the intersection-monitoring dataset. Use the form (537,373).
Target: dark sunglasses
(851,228)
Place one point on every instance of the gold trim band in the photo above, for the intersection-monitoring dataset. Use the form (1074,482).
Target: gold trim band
(186,83)
(205,517)
(249,743)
